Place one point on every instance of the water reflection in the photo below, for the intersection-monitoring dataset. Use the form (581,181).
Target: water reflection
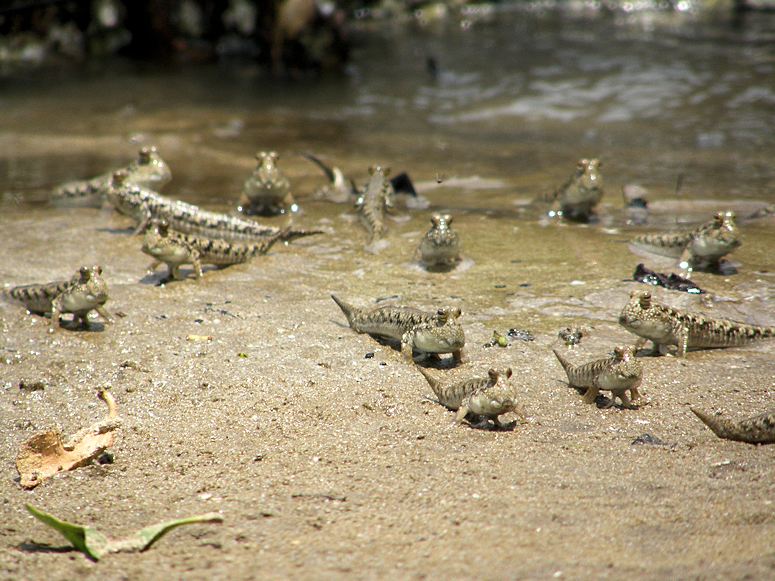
(514,100)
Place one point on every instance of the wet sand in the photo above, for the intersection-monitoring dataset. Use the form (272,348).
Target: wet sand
(326,463)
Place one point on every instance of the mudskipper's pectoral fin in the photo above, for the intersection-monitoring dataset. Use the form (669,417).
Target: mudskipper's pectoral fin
(197,263)
(682,335)
(626,403)
(407,344)
(591,395)
(143,225)
(56,312)
(104,314)
(685,262)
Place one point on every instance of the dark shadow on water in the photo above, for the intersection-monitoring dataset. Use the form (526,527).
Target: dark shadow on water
(433,361)
(72,326)
(460,266)
(155,279)
(159,278)
(93,327)
(439,268)
(92,201)
(725,268)
(475,423)
(647,353)
(122,231)
(427,360)
(445,362)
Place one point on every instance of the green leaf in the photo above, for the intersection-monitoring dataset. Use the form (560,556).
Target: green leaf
(149,535)
(86,539)
(94,544)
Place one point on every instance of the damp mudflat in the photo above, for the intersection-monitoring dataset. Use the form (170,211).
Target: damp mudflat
(326,461)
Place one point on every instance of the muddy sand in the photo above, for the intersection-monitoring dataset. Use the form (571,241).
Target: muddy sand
(328,462)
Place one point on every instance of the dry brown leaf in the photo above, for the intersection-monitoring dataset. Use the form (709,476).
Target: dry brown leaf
(45,454)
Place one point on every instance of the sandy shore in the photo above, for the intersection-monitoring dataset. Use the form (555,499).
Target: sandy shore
(325,463)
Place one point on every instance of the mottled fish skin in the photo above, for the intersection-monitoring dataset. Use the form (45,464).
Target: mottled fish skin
(374,202)
(37,298)
(758,429)
(618,374)
(671,244)
(579,195)
(84,292)
(176,249)
(426,332)
(441,244)
(267,191)
(149,170)
(664,326)
(487,397)
(453,395)
(144,205)
(391,322)
(702,247)
(82,188)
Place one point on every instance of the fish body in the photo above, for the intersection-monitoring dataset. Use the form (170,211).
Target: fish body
(701,247)
(144,205)
(176,249)
(375,201)
(488,397)
(618,374)
(423,331)
(149,170)
(440,247)
(758,429)
(664,326)
(84,292)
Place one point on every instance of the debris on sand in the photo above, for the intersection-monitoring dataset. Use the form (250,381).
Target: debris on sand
(670,282)
(46,454)
(504,340)
(572,336)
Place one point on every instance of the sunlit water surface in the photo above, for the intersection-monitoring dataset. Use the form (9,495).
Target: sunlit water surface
(682,105)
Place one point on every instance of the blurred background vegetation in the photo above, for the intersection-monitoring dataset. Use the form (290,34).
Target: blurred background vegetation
(296,35)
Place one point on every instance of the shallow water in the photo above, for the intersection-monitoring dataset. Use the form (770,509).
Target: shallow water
(681,104)
(321,447)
